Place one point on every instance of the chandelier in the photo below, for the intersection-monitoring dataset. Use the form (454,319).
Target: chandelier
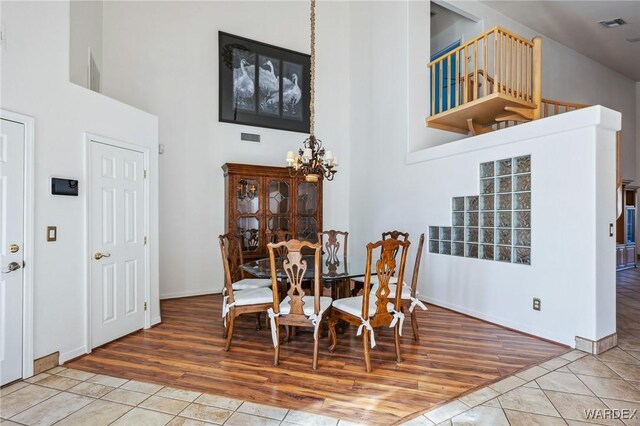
(312,161)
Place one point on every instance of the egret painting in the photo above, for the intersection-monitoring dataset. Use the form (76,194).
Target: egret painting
(263,85)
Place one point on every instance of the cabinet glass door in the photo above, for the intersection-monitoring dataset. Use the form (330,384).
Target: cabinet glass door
(247,208)
(307,222)
(279,208)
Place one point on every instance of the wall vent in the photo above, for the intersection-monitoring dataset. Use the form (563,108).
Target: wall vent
(611,23)
(250,137)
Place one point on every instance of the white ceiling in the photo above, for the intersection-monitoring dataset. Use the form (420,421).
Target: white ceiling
(575,24)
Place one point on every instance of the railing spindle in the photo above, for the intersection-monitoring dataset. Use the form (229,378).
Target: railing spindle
(465,88)
(457,74)
(449,87)
(476,92)
(441,84)
(508,61)
(433,89)
(485,48)
(496,81)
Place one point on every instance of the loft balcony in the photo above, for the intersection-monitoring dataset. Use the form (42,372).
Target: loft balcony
(490,82)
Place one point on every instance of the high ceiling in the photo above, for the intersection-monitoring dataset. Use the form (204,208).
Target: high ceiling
(575,24)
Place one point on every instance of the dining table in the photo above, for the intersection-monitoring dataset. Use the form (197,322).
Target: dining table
(336,272)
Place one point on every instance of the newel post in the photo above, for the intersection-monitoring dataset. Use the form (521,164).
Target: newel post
(537,77)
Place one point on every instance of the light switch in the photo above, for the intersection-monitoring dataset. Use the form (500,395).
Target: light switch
(52,233)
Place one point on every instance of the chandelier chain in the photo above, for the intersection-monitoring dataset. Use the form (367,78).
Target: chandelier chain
(312,76)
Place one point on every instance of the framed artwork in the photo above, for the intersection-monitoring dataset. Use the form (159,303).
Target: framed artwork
(263,85)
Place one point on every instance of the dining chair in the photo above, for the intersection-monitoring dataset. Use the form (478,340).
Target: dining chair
(409,293)
(296,309)
(279,236)
(249,295)
(358,283)
(379,308)
(334,247)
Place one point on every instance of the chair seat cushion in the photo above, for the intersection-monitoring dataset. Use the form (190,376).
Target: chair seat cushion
(248,283)
(406,291)
(285,307)
(353,306)
(253,296)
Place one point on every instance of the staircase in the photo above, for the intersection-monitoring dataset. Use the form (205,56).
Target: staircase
(491,82)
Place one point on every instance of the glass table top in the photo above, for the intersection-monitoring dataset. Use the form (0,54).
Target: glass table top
(332,270)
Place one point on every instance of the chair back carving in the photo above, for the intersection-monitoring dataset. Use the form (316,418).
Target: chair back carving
(250,239)
(416,266)
(231,250)
(385,267)
(334,250)
(279,236)
(295,267)
(396,235)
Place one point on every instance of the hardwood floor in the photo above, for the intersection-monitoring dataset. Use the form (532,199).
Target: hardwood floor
(456,353)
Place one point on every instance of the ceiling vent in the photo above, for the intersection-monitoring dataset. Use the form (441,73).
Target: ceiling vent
(611,23)
(634,40)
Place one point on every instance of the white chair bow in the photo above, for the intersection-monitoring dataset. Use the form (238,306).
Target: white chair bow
(226,307)
(397,316)
(416,302)
(316,320)
(367,325)
(274,329)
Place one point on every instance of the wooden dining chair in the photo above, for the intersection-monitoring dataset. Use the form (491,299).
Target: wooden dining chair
(409,293)
(279,236)
(379,308)
(358,283)
(334,245)
(334,250)
(296,309)
(249,295)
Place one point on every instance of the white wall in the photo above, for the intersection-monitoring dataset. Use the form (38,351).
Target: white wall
(85,34)
(461,28)
(163,58)
(35,82)
(567,76)
(413,196)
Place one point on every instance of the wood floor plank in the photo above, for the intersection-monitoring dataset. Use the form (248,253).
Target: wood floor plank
(456,354)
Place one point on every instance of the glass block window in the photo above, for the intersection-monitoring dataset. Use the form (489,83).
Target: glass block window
(496,223)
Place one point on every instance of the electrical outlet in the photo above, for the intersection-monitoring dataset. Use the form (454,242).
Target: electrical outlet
(536,304)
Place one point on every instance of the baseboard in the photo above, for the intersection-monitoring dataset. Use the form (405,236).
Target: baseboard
(75,353)
(46,362)
(543,334)
(155,320)
(188,294)
(596,347)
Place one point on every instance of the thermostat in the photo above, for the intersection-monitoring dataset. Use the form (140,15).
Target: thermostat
(60,186)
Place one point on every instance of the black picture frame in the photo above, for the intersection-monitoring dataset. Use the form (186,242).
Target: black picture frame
(263,85)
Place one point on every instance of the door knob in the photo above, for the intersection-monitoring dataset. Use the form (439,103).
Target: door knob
(99,255)
(14,248)
(13,266)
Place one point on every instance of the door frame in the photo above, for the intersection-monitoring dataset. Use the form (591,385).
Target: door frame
(29,239)
(89,139)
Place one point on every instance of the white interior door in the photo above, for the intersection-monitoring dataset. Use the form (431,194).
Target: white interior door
(12,249)
(117,242)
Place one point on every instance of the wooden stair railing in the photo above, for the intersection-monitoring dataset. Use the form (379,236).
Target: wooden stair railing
(491,82)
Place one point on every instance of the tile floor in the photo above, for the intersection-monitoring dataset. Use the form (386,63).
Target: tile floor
(562,390)
(557,392)
(64,396)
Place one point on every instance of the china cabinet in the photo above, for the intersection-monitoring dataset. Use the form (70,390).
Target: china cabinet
(260,200)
